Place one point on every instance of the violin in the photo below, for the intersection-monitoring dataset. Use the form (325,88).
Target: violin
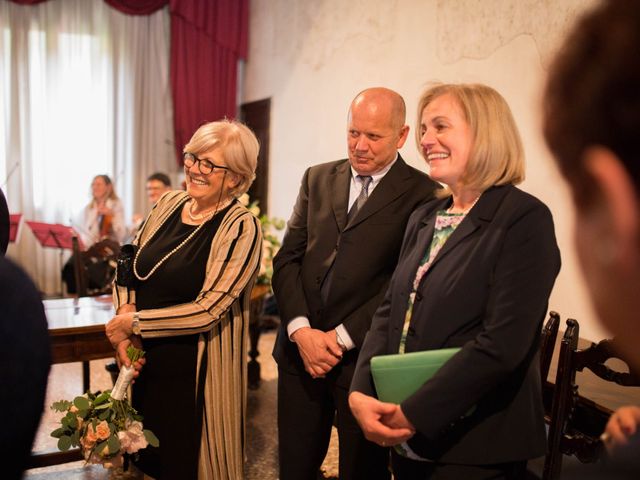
(105,225)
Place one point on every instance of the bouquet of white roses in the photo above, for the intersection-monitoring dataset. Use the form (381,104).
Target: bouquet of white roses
(104,425)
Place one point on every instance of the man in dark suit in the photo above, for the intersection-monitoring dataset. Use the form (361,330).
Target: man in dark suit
(340,249)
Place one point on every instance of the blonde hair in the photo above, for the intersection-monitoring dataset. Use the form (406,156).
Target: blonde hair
(497,155)
(107,180)
(239,146)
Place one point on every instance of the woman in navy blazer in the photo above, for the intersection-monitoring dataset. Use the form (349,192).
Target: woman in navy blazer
(475,271)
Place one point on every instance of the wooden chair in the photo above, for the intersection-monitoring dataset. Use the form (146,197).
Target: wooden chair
(94,268)
(79,269)
(547,346)
(548,343)
(576,422)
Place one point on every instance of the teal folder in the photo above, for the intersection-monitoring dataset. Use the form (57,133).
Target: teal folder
(400,375)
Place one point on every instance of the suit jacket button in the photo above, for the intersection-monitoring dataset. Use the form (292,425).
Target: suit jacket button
(411,331)
(418,296)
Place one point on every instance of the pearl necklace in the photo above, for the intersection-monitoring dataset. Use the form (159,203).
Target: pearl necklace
(207,213)
(175,249)
(465,211)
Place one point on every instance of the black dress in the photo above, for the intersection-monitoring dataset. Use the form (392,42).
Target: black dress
(165,392)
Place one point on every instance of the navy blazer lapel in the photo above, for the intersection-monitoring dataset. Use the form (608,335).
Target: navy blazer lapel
(339,190)
(390,187)
(479,216)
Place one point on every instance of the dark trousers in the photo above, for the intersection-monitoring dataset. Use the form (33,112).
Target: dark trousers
(406,469)
(306,409)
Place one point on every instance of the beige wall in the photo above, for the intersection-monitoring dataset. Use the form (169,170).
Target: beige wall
(312,57)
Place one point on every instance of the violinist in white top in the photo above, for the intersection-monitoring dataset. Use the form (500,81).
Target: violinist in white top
(102,229)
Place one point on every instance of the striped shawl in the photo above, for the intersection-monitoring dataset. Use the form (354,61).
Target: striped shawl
(220,314)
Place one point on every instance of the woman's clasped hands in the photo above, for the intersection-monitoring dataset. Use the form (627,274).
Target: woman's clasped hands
(382,423)
(120,333)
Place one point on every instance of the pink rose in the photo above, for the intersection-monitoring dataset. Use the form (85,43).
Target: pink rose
(90,434)
(132,439)
(102,430)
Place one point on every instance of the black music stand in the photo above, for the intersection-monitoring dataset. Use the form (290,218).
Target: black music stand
(14,227)
(54,235)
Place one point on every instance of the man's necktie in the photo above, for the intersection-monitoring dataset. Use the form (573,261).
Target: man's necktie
(357,205)
(365,180)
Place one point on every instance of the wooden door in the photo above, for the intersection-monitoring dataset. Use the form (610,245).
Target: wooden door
(256,115)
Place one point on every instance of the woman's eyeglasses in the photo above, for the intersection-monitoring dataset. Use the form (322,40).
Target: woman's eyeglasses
(205,166)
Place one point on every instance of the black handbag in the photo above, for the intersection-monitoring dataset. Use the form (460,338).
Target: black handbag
(124,269)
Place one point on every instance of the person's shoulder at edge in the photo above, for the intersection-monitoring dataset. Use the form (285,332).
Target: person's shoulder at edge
(624,465)
(13,278)
(26,354)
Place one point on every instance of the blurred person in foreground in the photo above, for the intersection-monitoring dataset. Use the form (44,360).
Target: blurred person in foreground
(475,271)
(25,359)
(197,259)
(591,124)
(4,224)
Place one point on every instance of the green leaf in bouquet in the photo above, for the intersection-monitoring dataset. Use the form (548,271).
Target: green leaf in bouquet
(58,432)
(114,444)
(64,443)
(104,415)
(83,414)
(151,438)
(75,439)
(72,421)
(134,353)
(61,406)
(104,406)
(81,403)
(100,447)
(102,398)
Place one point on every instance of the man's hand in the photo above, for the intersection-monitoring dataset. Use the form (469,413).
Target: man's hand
(319,350)
(382,423)
(622,424)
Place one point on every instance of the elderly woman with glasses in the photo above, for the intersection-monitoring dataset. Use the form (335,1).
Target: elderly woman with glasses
(197,258)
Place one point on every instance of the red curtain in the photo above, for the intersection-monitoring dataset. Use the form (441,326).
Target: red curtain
(27,2)
(137,7)
(208,37)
